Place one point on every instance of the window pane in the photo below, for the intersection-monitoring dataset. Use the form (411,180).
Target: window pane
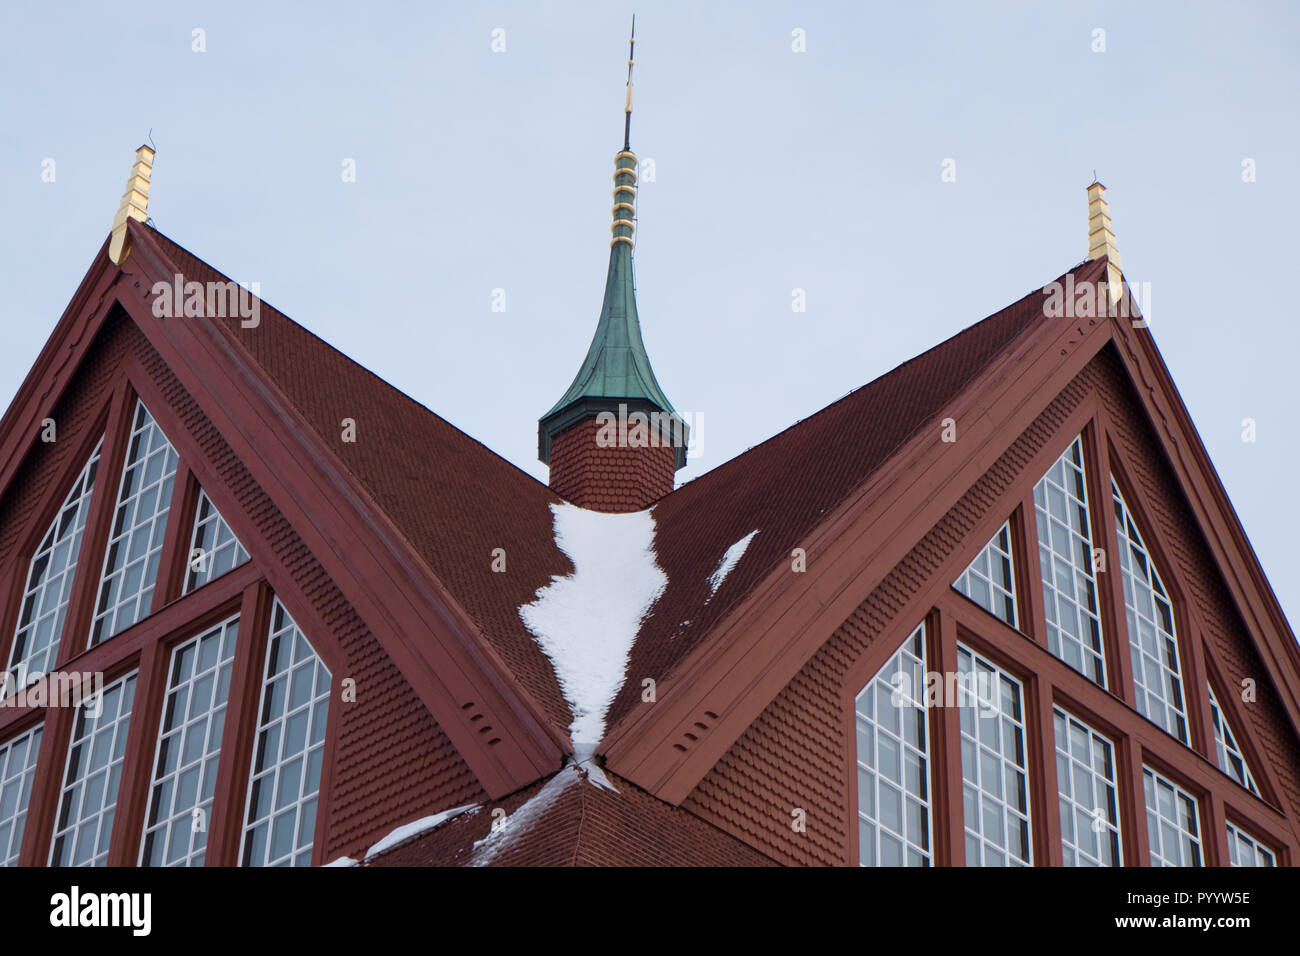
(1085,779)
(1153,647)
(89,795)
(214,549)
(1173,827)
(44,603)
(994,766)
(1065,556)
(285,778)
(17,769)
(990,581)
(1231,760)
(1244,850)
(189,747)
(143,500)
(893,762)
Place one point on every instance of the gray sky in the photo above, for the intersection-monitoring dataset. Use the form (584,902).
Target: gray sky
(479,170)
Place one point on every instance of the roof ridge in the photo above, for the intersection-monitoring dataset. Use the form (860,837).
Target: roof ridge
(343,355)
(879,378)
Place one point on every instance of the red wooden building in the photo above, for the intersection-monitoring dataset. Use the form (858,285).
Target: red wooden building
(259,607)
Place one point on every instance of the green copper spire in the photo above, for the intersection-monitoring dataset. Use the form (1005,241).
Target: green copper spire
(617,369)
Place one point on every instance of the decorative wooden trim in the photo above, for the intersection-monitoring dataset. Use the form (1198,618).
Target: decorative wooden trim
(945,758)
(239,732)
(1114,622)
(137,764)
(173,561)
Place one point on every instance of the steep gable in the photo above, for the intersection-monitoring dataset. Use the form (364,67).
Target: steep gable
(793,482)
(798,753)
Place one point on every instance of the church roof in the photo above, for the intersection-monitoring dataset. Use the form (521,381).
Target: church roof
(454,501)
(474,500)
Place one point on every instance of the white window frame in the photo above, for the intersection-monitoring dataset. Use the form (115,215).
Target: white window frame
(1226,747)
(1094,815)
(16,778)
(274,716)
(58,554)
(1071,597)
(1168,824)
(1245,850)
(1157,664)
(979,581)
(112,602)
(892,731)
(987,725)
(216,559)
(207,686)
(90,728)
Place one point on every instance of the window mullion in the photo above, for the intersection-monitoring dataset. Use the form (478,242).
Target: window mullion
(174,557)
(1033,617)
(1196,697)
(44,798)
(137,764)
(945,757)
(238,735)
(1045,830)
(1114,623)
(1133,819)
(1214,839)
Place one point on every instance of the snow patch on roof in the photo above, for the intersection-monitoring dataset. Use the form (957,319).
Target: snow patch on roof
(503,835)
(413,829)
(729,561)
(586,623)
(342,861)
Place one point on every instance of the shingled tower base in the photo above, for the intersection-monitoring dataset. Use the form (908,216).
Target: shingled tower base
(609,477)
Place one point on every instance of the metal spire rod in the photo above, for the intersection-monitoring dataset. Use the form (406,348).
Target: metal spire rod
(627,118)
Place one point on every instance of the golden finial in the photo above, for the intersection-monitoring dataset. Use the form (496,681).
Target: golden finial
(135,203)
(1101,240)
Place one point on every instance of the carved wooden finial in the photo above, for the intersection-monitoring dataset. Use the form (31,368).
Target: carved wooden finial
(1101,240)
(135,203)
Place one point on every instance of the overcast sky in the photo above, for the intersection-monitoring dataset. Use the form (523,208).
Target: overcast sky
(774,170)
